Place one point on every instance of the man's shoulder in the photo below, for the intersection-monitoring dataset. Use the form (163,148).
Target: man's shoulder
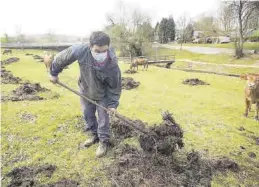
(80,49)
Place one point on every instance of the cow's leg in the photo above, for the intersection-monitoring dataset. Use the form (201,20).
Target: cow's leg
(256,111)
(247,107)
(47,68)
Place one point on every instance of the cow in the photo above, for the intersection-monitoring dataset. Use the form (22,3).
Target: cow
(6,51)
(251,93)
(139,61)
(48,59)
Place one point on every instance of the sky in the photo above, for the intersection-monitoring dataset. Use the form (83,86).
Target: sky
(81,17)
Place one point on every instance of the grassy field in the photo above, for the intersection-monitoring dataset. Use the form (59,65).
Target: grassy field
(217,59)
(210,116)
(247,45)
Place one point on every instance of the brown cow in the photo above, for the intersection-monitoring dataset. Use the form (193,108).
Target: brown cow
(251,93)
(48,59)
(139,61)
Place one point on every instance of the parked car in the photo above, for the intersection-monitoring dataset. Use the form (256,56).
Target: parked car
(223,39)
(208,41)
(197,41)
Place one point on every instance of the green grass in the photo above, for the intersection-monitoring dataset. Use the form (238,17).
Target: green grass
(209,115)
(215,68)
(247,45)
(217,59)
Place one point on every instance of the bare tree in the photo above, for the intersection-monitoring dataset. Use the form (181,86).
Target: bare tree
(18,31)
(244,11)
(51,36)
(129,29)
(181,25)
(226,18)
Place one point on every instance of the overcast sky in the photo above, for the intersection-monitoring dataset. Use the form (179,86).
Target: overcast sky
(81,17)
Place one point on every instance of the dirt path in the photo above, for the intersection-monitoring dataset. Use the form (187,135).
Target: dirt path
(227,65)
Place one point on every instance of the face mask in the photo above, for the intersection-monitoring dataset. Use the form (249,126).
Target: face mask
(99,57)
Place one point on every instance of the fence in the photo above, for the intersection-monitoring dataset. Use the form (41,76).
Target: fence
(152,59)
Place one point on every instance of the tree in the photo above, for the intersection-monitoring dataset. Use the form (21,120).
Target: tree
(162,30)
(131,33)
(188,33)
(51,36)
(166,29)
(206,24)
(157,27)
(243,11)
(226,18)
(181,24)
(19,36)
(170,29)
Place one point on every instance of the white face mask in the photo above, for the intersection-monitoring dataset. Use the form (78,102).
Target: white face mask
(99,57)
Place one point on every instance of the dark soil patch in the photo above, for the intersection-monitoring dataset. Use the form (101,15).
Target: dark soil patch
(26,176)
(225,164)
(128,83)
(132,167)
(26,92)
(8,78)
(36,57)
(62,183)
(241,128)
(28,117)
(242,147)
(164,138)
(157,164)
(194,82)
(252,155)
(130,71)
(10,60)
(28,54)
(120,129)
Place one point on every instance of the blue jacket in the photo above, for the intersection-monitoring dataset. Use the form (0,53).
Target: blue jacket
(96,82)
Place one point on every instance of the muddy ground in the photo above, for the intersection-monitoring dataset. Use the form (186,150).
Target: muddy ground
(10,60)
(194,82)
(37,57)
(8,78)
(27,91)
(156,163)
(129,83)
(130,71)
(28,177)
(159,163)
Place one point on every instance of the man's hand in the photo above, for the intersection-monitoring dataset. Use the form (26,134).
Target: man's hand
(53,79)
(111,112)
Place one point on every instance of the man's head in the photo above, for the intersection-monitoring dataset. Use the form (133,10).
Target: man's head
(99,42)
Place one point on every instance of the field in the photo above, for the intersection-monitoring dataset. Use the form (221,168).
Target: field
(209,58)
(211,117)
(247,45)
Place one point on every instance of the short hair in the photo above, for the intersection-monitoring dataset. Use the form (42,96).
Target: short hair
(99,38)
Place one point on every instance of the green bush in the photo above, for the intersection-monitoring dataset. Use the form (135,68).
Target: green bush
(254,38)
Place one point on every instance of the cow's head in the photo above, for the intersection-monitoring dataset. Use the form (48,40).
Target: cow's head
(252,87)
(252,81)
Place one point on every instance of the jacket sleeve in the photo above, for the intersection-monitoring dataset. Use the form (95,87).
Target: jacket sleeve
(64,58)
(114,89)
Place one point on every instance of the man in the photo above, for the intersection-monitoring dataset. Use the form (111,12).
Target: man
(100,80)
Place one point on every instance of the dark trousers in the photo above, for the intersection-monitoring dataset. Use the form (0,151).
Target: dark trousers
(100,127)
